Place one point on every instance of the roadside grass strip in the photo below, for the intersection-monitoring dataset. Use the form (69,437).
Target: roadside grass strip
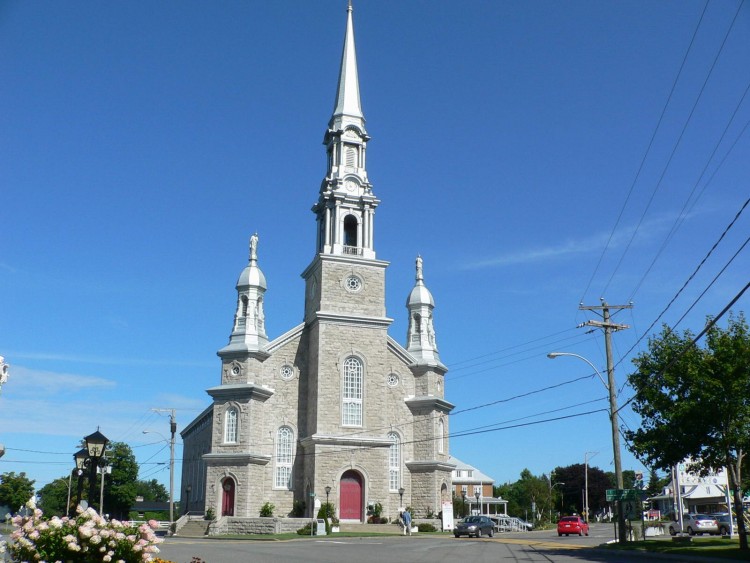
(542,544)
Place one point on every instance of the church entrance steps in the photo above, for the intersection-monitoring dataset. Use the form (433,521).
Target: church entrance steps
(193,529)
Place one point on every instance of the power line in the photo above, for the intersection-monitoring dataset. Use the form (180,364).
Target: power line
(646,153)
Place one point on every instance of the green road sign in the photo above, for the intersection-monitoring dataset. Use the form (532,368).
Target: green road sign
(623,494)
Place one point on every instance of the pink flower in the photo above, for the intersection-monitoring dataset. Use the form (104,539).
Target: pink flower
(154,524)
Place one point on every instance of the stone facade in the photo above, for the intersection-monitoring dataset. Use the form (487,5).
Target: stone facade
(335,408)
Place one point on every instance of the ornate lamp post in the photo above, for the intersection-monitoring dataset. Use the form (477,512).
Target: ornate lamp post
(96,443)
(401,492)
(476,495)
(80,459)
(463,503)
(328,506)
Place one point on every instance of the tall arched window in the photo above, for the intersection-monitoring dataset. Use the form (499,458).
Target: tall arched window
(284,456)
(230,426)
(351,408)
(441,436)
(394,462)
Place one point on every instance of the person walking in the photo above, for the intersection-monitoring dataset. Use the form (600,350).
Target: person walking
(407,522)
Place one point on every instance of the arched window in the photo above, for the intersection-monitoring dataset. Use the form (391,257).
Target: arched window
(350,230)
(441,436)
(351,408)
(394,462)
(230,426)
(284,457)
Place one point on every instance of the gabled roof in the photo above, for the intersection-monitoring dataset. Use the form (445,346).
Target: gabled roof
(476,477)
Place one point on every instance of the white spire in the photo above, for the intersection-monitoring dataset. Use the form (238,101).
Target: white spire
(420,337)
(249,330)
(347,108)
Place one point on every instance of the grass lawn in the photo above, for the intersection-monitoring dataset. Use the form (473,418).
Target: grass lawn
(706,547)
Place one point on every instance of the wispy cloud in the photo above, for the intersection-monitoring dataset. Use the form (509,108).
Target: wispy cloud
(102,360)
(49,382)
(573,247)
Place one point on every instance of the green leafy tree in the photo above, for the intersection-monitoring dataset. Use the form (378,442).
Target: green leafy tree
(15,490)
(681,385)
(524,495)
(151,491)
(54,496)
(120,487)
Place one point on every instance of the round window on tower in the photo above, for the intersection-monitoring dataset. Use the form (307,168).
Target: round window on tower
(392,380)
(236,370)
(353,284)
(287,372)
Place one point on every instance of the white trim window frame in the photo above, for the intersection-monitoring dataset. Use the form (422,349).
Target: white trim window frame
(284,458)
(351,401)
(394,462)
(230,425)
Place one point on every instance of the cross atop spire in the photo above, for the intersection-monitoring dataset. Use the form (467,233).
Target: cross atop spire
(347,108)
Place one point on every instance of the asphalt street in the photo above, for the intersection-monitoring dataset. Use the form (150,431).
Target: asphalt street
(532,547)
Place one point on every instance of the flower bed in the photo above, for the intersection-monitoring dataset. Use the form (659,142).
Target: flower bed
(87,538)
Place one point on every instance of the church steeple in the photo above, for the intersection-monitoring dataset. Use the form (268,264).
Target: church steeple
(249,330)
(346,205)
(420,338)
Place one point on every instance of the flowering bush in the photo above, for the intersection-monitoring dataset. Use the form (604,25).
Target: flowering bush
(87,538)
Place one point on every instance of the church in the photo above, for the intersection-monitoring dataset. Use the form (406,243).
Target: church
(335,409)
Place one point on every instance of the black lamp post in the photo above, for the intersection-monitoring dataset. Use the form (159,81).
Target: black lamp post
(476,495)
(96,443)
(80,459)
(328,506)
(188,490)
(401,492)
(463,502)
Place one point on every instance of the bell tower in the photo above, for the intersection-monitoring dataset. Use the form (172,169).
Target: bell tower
(346,204)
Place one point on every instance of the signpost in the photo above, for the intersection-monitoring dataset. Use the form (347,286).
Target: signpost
(623,494)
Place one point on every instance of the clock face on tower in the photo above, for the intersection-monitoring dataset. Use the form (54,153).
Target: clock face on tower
(351,185)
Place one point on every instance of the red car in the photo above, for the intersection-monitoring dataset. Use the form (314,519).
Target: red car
(572,525)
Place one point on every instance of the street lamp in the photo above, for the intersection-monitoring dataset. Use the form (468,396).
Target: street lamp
(188,490)
(401,492)
(613,418)
(586,481)
(171,470)
(551,486)
(479,508)
(96,444)
(328,506)
(463,503)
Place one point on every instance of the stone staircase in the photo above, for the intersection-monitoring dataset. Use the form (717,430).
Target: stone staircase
(193,529)
(371,528)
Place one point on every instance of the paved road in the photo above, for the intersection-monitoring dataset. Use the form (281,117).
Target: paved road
(531,547)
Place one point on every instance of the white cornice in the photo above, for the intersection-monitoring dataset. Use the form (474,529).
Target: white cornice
(354,441)
(240,457)
(240,391)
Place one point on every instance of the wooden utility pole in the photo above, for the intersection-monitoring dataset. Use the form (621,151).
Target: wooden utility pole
(609,327)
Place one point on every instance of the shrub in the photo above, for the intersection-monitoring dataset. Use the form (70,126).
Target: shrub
(305,530)
(298,508)
(426,527)
(210,515)
(267,510)
(87,537)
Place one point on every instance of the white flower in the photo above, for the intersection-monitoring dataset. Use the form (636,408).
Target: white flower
(31,503)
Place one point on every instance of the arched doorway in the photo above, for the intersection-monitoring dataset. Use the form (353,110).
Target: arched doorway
(227,498)
(351,501)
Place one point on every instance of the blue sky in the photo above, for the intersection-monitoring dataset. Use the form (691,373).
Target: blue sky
(514,146)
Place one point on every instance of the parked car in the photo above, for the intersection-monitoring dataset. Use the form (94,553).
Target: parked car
(695,524)
(474,526)
(572,525)
(722,519)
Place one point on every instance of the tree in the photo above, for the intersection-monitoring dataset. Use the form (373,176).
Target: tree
(524,495)
(54,496)
(679,385)
(574,477)
(15,490)
(120,487)
(151,491)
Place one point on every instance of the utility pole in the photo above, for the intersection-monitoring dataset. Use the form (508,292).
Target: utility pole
(609,327)
(172,430)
